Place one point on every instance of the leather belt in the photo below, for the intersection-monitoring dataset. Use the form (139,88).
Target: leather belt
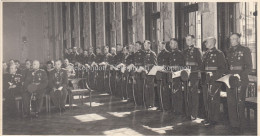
(236,68)
(211,68)
(191,63)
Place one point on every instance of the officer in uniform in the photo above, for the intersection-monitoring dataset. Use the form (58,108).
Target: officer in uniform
(124,75)
(69,67)
(39,78)
(213,66)
(193,59)
(176,62)
(138,81)
(129,61)
(112,62)
(70,54)
(27,69)
(74,55)
(162,95)
(107,58)
(58,81)
(119,58)
(100,70)
(85,57)
(12,87)
(150,60)
(239,62)
(91,59)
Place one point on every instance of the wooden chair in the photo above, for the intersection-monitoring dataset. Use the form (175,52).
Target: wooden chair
(76,90)
(18,103)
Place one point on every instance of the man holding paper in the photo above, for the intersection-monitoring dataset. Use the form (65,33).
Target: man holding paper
(150,60)
(176,63)
(213,66)
(193,59)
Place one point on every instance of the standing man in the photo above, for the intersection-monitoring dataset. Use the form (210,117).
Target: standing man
(193,59)
(150,60)
(138,81)
(91,59)
(74,55)
(162,95)
(119,58)
(176,63)
(37,78)
(99,70)
(214,66)
(27,69)
(58,81)
(239,62)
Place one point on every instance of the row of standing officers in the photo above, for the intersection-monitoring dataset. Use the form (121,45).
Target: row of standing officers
(167,93)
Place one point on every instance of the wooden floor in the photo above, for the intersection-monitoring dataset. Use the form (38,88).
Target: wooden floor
(111,116)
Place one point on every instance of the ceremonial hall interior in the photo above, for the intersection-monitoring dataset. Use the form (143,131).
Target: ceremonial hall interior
(106,102)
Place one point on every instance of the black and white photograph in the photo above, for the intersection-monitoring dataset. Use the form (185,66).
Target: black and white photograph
(129,68)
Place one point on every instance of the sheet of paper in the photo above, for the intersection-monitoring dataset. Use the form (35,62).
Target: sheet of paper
(154,70)
(225,79)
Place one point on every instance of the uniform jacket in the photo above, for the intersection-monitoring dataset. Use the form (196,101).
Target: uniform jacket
(58,78)
(139,58)
(212,59)
(239,56)
(163,58)
(37,76)
(91,58)
(12,79)
(193,58)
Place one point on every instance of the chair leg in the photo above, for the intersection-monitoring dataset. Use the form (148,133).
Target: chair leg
(49,103)
(70,101)
(90,99)
(46,103)
(18,106)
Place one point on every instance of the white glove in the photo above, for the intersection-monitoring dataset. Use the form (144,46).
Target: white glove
(237,75)
(210,74)
(60,88)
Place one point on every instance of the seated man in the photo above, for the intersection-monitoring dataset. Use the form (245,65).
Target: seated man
(12,86)
(58,80)
(37,78)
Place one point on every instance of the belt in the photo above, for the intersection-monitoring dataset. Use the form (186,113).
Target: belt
(211,68)
(191,63)
(236,68)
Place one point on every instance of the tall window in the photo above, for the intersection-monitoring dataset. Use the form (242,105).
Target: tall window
(246,25)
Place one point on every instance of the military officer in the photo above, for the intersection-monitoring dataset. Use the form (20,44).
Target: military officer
(130,60)
(162,96)
(137,79)
(85,57)
(80,56)
(39,78)
(58,81)
(193,60)
(107,58)
(12,87)
(239,62)
(99,70)
(70,53)
(91,59)
(214,66)
(27,68)
(119,58)
(112,62)
(150,60)
(74,55)
(69,67)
